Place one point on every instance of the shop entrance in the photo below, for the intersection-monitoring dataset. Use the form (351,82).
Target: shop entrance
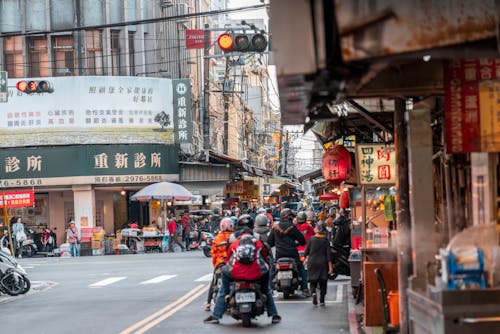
(138,211)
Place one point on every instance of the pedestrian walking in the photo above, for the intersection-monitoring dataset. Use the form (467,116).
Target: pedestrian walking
(174,232)
(318,263)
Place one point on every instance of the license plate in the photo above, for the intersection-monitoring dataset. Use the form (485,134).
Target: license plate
(245,297)
(285,274)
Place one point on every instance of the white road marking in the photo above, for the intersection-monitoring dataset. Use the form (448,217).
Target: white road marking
(340,293)
(106,281)
(158,279)
(204,278)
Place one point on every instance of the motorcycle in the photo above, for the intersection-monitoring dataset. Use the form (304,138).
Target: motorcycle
(246,301)
(27,247)
(286,278)
(207,239)
(13,277)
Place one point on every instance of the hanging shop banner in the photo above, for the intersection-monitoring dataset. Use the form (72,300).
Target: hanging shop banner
(472,91)
(376,164)
(195,39)
(336,164)
(89,164)
(18,199)
(183,106)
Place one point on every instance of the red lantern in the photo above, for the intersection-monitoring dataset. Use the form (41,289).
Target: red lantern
(344,199)
(336,164)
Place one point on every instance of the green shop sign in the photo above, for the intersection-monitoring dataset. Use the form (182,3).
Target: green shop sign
(89,164)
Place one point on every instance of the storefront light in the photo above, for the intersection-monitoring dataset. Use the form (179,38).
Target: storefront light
(123,192)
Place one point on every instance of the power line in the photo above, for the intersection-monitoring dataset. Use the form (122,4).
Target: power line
(134,23)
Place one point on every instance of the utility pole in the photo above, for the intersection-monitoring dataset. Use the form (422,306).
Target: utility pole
(287,146)
(280,152)
(226,109)
(206,93)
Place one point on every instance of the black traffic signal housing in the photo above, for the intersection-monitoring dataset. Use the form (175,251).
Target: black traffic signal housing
(242,42)
(34,86)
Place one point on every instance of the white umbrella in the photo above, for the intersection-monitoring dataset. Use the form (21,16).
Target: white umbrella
(162,191)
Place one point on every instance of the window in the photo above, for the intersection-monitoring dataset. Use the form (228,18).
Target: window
(93,44)
(115,52)
(64,56)
(13,53)
(131,54)
(38,57)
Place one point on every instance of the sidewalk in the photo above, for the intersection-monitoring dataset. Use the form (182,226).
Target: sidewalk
(355,316)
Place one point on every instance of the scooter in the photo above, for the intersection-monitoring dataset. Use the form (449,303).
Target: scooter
(246,301)
(13,278)
(207,239)
(286,278)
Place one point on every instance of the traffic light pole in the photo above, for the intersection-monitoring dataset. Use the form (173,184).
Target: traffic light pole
(206,93)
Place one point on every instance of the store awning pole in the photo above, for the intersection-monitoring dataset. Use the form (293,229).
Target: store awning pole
(363,214)
(7,223)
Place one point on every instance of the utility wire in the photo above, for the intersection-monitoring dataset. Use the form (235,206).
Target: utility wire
(134,23)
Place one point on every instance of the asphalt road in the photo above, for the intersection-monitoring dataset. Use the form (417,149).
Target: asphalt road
(146,293)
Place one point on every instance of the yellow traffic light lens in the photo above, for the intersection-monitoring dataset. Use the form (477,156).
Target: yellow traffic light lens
(225,42)
(22,86)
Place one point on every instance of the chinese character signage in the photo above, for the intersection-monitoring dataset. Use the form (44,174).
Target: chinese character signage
(90,164)
(17,199)
(183,131)
(376,164)
(336,164)
(472,92)
(195,39)
(90,110)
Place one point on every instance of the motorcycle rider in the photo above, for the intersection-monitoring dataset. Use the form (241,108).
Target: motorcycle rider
(219,253)
(256,270)
(285,236)
(305,228)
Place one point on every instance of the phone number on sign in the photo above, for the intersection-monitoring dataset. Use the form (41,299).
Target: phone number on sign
(127,179)
(21,182)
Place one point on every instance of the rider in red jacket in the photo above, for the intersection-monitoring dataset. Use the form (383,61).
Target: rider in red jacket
(305,228)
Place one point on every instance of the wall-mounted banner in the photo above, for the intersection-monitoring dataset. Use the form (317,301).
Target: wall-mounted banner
(90,110)
(472,100)
(195,39)
(376,164)
(182,102)
(17,199)
(89,164)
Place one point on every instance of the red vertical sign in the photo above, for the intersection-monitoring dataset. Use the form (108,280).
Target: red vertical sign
(462,103)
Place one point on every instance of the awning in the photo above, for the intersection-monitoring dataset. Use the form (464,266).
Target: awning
(329,197)
(243,166)
(311,176)
(207,188)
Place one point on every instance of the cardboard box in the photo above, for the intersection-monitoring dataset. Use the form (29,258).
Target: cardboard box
(96,244)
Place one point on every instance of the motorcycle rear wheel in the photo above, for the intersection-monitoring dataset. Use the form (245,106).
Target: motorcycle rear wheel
(28,251)
(11,287)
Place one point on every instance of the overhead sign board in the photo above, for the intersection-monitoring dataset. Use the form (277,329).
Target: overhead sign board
(17,199)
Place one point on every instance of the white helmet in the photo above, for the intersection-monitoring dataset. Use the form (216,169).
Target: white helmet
(226,224)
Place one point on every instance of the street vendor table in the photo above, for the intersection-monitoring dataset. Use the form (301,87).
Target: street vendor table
(386,260)
(152,243)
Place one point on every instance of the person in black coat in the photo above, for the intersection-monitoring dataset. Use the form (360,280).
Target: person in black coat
(319,264)
(285,236)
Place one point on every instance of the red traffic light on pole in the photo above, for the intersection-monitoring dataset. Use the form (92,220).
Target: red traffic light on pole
(34,86)
(242,42)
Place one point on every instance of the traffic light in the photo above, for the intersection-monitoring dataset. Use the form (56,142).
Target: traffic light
(34,86)
(242,42)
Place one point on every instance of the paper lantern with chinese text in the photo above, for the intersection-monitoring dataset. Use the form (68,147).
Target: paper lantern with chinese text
(336,164)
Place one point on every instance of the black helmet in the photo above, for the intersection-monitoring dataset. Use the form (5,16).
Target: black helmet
(262,220)
(216,211)
(286,214)
(301,217)
(245,221)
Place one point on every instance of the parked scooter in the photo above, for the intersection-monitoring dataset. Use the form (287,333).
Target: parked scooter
(286,278)
(13,277)
(246,301)
(27,247)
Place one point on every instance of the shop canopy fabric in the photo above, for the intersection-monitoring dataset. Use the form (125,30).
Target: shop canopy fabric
(163,191)
(329,197)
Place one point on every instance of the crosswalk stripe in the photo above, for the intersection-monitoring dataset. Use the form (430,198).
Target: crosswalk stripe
(158,279)
(204,278)
(106,281)
(340,293)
